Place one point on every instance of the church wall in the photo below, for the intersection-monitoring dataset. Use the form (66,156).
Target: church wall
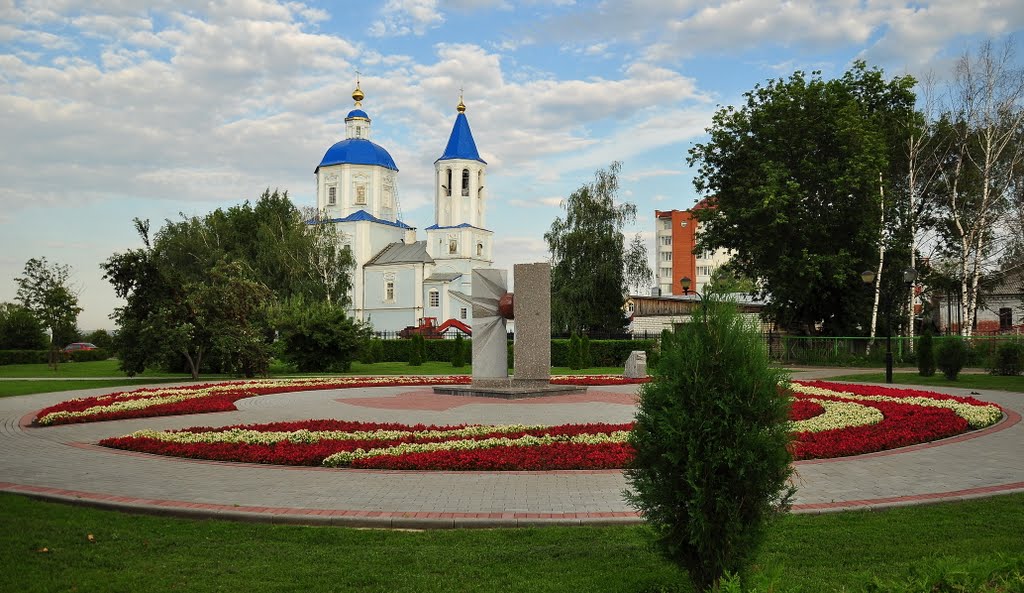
(399,311)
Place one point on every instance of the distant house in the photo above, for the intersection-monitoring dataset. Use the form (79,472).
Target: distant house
(1001,310)
(651,314)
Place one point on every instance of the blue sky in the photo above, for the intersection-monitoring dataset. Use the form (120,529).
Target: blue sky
(111,110)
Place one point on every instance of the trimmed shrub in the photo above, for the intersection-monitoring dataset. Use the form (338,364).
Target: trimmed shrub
(417,351)
(575,361)
(926,355)
(24,356)
(1008,359)
(458,352)
(711,436)
(951,357)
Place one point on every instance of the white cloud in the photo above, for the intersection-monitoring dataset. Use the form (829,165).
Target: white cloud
(402,17)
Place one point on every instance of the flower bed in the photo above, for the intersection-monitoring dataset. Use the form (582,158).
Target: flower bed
(219,397)
(828,420)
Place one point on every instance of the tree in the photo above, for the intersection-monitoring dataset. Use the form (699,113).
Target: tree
(101,338)
(44,290)
(712,441)
(792,176)
(724,279)
(983,165)
(19,329)
(318,336)
(269,247)
(590,265)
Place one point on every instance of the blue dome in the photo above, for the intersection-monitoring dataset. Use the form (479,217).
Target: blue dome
(460,143)
(357,151)
(357,113)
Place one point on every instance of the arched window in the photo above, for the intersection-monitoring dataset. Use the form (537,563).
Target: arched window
(435,298)
(465,182)
(448,188)
(480,249)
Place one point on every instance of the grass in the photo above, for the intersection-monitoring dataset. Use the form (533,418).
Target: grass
(97,368)
(830,552)
(964,381)
(12,388)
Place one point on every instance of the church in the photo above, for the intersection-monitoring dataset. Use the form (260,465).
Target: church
(399,280)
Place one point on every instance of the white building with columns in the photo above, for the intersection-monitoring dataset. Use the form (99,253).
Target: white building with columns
(400,280)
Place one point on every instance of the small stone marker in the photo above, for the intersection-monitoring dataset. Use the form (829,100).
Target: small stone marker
(636,365)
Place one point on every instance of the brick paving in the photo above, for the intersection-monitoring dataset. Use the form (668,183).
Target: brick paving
(62,463)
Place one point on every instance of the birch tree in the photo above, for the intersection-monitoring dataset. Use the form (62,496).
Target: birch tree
(985,116)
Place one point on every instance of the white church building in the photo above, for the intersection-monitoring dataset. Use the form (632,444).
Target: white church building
(399,280)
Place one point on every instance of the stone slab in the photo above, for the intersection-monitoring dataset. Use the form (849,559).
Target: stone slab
(510,391)
(636,365)
(533,322)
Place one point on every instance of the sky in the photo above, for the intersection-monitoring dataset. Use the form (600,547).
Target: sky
(112,109)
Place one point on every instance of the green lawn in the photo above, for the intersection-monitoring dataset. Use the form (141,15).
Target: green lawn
(10,388)
(138,553)
(965,380)
(98,368)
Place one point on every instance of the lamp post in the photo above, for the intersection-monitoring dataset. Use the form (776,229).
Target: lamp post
(909,276)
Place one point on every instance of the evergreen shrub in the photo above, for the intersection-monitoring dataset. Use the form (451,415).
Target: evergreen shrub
(926,355)
(951,357)
(458,352)
(711,436)
(585,359)
(1007,359)
(418,350)
(575,361)
(318,337)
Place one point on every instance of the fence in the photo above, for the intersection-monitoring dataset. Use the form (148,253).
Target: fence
(853,351)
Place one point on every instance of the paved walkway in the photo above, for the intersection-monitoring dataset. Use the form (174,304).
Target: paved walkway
(62,463)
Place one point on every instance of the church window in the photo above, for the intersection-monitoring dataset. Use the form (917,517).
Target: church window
(480,249)
(389,291)
(448,188)
(435,298)
(332,196)
(453,246)
(462,313)
(465,182)
(360,194)
(359,131)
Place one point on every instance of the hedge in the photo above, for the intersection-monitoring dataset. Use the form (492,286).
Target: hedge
(43,356)
(604,353)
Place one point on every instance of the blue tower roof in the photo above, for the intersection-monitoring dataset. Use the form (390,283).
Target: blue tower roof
(460,143)
(357,113)
(358,151)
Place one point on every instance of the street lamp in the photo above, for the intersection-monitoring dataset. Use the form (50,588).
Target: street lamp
(685,282)
(909,276)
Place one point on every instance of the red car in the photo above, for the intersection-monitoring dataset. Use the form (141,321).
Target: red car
(77,346)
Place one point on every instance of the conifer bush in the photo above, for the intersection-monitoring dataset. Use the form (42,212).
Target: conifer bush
(575,353)
(711,436)
(951,357)
(926,355)
(417,351)
(459,352)
(1007,359)
(586,361)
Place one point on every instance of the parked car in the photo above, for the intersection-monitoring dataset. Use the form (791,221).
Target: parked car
(77,346)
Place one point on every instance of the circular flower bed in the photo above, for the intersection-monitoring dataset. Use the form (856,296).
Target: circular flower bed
(827,419)
(220,397)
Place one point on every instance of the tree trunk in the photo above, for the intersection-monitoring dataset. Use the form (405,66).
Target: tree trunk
(881,267)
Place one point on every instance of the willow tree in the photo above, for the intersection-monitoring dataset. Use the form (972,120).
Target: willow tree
(591,266)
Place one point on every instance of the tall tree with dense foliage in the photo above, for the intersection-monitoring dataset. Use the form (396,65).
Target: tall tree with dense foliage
(196,289)
(45,290)
(793,177)
(19,329)
(590,264)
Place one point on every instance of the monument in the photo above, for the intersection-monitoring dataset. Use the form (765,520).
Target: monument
(493,306)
